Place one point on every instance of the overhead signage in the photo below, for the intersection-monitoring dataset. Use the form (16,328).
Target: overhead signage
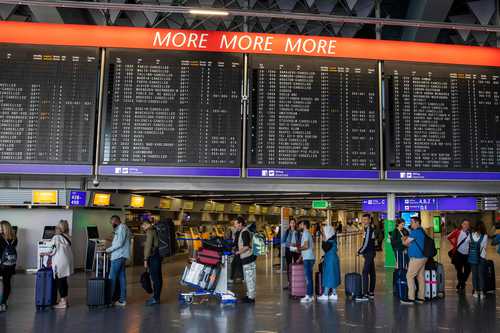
(44,197)
(418,204)
(320,204)
(136,201)
(243,42)
(236,208)
(101,199)
(165,203)
(187,205)
(219,208)
(77,198)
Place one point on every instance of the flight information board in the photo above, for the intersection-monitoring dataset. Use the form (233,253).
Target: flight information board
(444,121)
(313,118)
(172,113)
(47,109)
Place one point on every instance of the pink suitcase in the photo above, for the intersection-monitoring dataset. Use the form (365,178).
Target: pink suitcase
(298,281)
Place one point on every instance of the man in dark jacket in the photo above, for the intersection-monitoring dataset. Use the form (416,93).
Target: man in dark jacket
(367,250)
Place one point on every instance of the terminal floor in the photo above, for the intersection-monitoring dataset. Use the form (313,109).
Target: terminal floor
(273,311)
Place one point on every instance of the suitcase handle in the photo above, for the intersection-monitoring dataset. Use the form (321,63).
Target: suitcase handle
(104,262)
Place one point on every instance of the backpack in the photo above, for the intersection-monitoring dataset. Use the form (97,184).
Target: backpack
(475,250)
(258,245)
(9,255)
(429,250)
(163,232)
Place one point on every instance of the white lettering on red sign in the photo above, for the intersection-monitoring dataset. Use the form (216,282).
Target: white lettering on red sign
(309,45)
(181,40)
(247,43)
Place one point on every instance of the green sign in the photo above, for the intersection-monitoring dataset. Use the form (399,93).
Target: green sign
(390,260)
(320,204)
(436,224)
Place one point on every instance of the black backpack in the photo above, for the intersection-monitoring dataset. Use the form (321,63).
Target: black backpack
(429,250)
(163,232)
(9,255)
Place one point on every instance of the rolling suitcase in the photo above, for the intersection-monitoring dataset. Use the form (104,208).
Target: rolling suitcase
(209,257)
(431,282)
(298,281)
(353,281)
(45,289)
(99,291)
(400,283)
(489,277)
(440,279)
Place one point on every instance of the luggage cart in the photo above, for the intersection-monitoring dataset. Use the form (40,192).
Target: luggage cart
(221,291)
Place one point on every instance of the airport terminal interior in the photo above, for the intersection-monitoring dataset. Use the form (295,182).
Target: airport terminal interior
(221,165)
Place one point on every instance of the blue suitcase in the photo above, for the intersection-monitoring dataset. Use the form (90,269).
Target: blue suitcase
(45,289)
(400,284)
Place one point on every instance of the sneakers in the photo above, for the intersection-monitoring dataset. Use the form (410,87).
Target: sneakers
(371,295)
(307,299)
(63,304)
(323,298)
(248,300)
(363,298)
(475,295)
(407,302)
(120,303)
(151,302)
(419,301)
(3,308)
(333,297)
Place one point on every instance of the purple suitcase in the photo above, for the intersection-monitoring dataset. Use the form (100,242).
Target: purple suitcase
(298,281)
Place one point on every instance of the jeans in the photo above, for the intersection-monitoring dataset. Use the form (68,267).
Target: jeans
(478,276)
(308,271)
(117,273)
(250,276)
(156,275)
(416,268)
(463,269)
(62,286)
(7,276)
(369,273)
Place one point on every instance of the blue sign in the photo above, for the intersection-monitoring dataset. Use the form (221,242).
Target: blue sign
(418,204)
(77,199)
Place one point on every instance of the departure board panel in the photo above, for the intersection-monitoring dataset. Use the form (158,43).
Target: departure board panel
(313,118)
(443,118)
(172,113)
(47,109)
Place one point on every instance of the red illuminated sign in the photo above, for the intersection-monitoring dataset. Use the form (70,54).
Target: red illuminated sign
(242,42)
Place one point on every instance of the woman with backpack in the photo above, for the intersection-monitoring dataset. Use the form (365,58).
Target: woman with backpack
(8,259)
(62,262)
(477,258)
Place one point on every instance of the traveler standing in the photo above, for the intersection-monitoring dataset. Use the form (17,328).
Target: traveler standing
(152,261)
(247,258)
(291,239)
(62,262)
(367,250)
(120,252)
(400,250)
(460,239)
(8,260)
(477,258)
(306,249)
(331,265)
(416,267)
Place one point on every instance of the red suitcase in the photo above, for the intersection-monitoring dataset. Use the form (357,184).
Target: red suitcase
(298,281)
(209,257)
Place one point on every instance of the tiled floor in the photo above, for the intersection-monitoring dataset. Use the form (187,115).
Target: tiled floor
(273,312)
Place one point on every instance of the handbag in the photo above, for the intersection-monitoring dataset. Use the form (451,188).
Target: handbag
(146,282)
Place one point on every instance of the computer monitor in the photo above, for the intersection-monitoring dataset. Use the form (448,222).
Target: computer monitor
(48,232)
(92,232)
(406,216)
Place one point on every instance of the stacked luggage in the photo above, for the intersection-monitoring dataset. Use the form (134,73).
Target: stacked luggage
(203,273)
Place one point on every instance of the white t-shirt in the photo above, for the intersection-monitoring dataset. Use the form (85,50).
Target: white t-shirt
(464,247)
(476,236)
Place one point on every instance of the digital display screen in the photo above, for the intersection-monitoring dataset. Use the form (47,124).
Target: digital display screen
(47,109)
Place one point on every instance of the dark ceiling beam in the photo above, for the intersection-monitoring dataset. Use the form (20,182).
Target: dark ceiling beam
(260,14)
(425,9)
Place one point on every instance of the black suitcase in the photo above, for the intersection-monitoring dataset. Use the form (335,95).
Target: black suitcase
(99,288)
(489,277)
(353,281)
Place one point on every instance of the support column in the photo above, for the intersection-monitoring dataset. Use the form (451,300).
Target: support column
(390,260)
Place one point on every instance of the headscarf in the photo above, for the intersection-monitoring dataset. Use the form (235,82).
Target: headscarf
(328,232)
